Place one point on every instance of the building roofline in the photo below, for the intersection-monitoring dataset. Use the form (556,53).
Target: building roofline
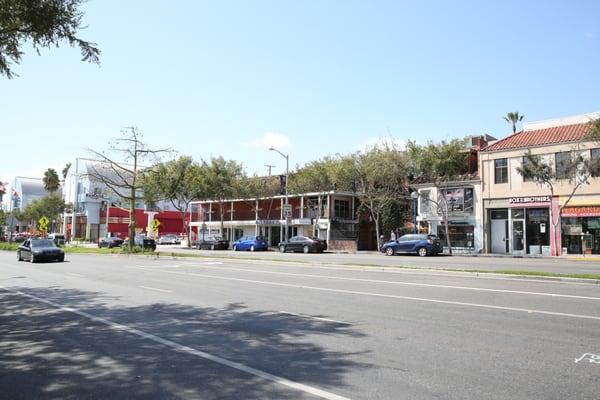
(279,196)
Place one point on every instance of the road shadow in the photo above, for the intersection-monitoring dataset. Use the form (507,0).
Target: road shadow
(49,353)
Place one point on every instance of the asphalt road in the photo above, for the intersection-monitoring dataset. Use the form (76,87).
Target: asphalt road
(563,265)
(145,328)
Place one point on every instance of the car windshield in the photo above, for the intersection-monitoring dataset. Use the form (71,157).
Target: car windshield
(260,238)
(42,243)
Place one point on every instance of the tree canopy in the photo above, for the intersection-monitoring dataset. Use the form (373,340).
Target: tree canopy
(43,24)
(51,180)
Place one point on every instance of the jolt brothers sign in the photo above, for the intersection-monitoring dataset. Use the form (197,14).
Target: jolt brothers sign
(529,199)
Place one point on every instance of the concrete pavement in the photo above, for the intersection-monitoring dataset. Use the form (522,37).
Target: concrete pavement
(137,327)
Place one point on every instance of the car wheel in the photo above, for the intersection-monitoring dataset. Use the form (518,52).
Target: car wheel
(389,251)
(234,247)
(19,258)
(305,249)
(62,259)
(251,248)
(422,252)
(282,249)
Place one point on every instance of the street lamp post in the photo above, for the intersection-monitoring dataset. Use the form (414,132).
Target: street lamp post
(287,173)
(414,196)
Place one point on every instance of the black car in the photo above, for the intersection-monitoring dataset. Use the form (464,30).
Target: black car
(110,242)
(35,250)
(305,244)
(144,242)
(212,243)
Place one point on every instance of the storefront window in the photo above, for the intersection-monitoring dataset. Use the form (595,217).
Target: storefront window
(581,235)
(460,235)
(537,229)
(517,213)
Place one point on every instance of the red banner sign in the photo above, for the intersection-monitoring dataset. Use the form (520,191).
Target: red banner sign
(585,211)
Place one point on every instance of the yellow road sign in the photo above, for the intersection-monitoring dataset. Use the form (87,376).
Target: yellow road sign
(155,225)
(44,220)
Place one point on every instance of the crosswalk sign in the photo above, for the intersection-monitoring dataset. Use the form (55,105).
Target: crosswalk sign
(155,225)
(44,221)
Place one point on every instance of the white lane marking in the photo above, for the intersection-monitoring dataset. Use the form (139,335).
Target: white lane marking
(157,289)
(317,318)
(189,350)
(569,296)
(392,296)
(593,358)
(75,275)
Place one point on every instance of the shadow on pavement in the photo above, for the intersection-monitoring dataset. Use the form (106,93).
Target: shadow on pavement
(51,353)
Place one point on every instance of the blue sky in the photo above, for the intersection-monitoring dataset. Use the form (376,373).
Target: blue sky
(313,77)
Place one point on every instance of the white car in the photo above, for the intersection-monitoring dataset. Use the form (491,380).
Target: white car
(169,239)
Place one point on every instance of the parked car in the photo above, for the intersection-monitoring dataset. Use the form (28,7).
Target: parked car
(305,244)
(58,238)
(169,239)
(110,242)
(421,244)
(35,250)
(251,243)
(143,241)
(212,243)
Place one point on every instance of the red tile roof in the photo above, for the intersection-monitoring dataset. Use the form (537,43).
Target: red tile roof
(540,137)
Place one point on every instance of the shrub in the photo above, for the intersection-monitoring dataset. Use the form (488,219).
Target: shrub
(9,246)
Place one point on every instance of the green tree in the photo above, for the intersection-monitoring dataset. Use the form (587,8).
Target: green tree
(380,180)
(65,171)
(43,24)
(439,164)
(513,118)
(120,169)
(179,181)
(222,182)
(576,169)
(51,180)
(594,134)
(51,207)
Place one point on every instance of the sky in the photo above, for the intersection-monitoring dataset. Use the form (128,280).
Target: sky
(313,78)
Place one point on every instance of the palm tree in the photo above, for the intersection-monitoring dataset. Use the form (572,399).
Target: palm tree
(513,118)
(51,181)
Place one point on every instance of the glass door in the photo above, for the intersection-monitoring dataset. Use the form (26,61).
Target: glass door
(518,237)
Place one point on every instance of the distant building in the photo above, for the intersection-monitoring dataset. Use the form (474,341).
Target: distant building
(23,191)
(98,211)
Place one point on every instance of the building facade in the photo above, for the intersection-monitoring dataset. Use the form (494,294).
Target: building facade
(327,215)
(464,210)
(516,211)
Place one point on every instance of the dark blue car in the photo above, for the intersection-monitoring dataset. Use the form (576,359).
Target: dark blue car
(423,245)
(251,242)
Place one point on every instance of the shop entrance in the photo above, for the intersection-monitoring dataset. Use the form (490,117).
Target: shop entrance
(499,231)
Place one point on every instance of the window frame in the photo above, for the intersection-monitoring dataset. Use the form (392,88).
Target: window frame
(562,164)
(593,157)
(502,177)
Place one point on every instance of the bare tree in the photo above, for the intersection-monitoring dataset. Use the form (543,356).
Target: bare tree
(120,169)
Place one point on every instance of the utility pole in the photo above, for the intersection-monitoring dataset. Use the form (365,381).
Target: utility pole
(269,167)
(287,175)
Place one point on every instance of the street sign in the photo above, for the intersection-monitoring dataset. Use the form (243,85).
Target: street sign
(287,211)
(44,221)
(155,225)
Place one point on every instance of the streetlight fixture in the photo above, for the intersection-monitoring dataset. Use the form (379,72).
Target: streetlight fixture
(287,173)
(414,196)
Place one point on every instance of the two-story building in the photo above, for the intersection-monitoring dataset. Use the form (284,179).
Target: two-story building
(516,211)
(327,215)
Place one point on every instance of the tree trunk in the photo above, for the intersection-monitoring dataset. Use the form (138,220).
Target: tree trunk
(379,244)
(447,230)
(189,243)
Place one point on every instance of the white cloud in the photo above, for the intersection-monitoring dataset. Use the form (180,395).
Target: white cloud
(268,139)
(381,141)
